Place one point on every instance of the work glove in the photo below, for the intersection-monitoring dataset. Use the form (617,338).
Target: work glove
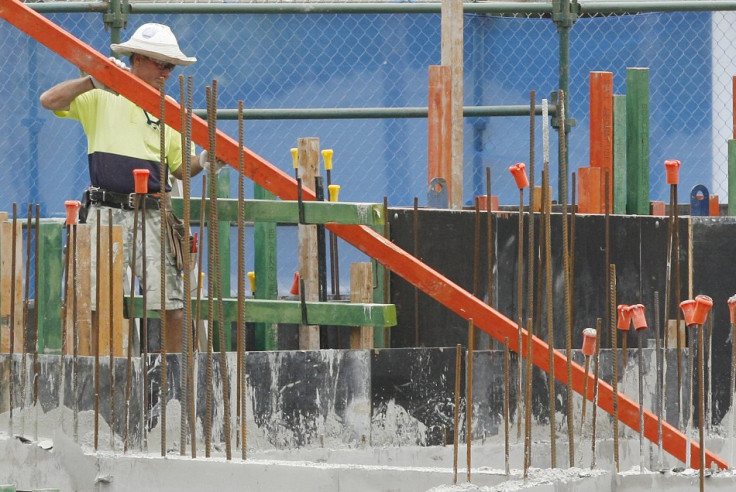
(99,85)
(204,162)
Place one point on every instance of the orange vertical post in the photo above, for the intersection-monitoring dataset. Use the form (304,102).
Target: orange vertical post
(439,121)
(714,209)
(601,125)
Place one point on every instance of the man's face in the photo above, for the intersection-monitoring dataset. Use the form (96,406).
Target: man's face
(153,72)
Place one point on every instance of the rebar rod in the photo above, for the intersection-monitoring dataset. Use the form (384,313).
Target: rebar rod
(37,236)
(506,397)
(456,418)
(598,325)
(550,326)
(614,350)
(96,334)
(241,288)
(64,334)
(110,309)
(528,399)
(191,348)
(210,280)
(26,301)
(701,409)
(186,326)
(469,396)
(144,334)
(131,325)
(415,233)
(661,386)
(163,322)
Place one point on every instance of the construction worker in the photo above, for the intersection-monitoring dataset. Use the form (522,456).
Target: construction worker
(122,137)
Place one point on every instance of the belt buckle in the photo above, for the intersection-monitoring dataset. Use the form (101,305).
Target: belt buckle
(131,201)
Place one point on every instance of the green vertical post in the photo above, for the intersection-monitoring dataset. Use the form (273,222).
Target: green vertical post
(619,154)
(264,234)
(637,140)
(381,295)
(49,278)
(732,177)
(115,19)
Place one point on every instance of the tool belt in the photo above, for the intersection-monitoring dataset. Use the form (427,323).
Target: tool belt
(125,201)
(178,238)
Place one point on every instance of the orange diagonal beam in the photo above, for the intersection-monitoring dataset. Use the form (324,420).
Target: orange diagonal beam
(397,260)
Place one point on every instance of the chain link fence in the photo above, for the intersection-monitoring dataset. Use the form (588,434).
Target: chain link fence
(381,60)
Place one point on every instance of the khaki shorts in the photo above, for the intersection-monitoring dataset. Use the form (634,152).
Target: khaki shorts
(124,218)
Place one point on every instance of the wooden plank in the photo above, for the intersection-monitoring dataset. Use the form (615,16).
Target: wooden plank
(308,268)
(7,277)
(83,291)
(119,337)
(637,140)
(452,56)
(361,291)
(601,126)
(265,246)
(287,212)
(412,270)
(439,125)
(49,278)
(289,312)
(619,154)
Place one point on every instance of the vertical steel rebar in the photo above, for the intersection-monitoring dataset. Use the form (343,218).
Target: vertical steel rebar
(614,378)
(661,385)
(456,430)
(701,409)
(37,236)
(75,337)
(110,320)
(415,251)
(131,325)
(191,348)
(241,287)
(519,292)
(64,332)
(547,206)
(528,398)
(144,334)
(186,326)
(506,397)
(211,118)
(13,266)
(163,322)
(469,395)
(26,307)
(96,335)
(598,326)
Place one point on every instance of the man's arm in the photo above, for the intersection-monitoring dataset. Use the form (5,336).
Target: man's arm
(60,96)
(199,164)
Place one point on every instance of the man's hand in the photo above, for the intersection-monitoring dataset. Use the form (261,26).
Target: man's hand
(99,85)
(204,163)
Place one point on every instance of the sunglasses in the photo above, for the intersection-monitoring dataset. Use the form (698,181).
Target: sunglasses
(161,65)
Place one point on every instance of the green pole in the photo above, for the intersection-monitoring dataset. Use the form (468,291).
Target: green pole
(732,177)
(264,234)
(116,18)
(564,16)
(619,154)
(637,140)
(49,278)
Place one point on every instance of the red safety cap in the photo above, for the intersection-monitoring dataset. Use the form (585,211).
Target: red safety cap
(195,243)
(688,311)
(624,317)
(589,336)
(141,180)
(672,167)
(703,304)
(638,317)
(518,170)
(732,308)
(295,285)
(72,211)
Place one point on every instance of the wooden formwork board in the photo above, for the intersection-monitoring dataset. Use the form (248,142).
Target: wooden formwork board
(7,277)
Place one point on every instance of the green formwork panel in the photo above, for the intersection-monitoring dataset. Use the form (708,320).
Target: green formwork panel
(637,141)
(49,283)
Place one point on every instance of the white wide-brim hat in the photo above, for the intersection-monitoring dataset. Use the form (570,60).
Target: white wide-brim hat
(156,41)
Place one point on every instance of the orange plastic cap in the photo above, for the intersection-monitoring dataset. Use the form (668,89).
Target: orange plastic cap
(732,308)
(673,171)
(638,317)
(688,311)
(141,180)
(295,285)
(703,304)
(518,170)
(72,211)
(589,336)
(624,317)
